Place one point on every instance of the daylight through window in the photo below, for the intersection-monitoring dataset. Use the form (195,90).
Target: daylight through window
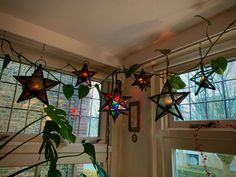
(83,114)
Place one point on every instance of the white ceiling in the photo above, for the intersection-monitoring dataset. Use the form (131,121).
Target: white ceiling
(118,27)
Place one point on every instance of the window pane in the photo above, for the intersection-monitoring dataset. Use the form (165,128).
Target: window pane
(231,109)
(6,171)
(185,111)
(87,169)
(184,77)
(84,126)
(32,116)
(29,110)
(4,114)
(95,92)
(211,104)
(36,105)
(26,70)
(198,111)
(189,163)
(197,98)
(6,94)
(11,70)
(18,119)
(229,73)
(216,110)
(67,79)
(86,106)
(94,127)
(23,104)
(52,97)
(230,89)
(217,94)
(95,108)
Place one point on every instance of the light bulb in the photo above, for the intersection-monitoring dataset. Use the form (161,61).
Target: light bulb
(167,101)
(140,80)
(84,74)
(202,78)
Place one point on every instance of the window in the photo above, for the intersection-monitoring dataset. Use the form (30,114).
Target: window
(219,104)
(83,114)
(67,170)
(176,153)
(187,163)
(6,171)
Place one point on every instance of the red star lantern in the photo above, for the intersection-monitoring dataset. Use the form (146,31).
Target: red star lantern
(35,86)
(114,105)
(84,75)
(142,80)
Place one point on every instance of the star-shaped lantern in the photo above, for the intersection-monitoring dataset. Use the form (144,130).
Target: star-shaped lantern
(167,101)
(115,105)
(84,75)
(35,86)
(204,79)
(142,80)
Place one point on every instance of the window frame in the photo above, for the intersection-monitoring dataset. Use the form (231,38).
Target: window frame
(171,123)
(170,135)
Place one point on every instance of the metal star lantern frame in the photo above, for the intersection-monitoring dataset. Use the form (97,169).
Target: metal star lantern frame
(84,75)
(142,80)
(167,101)
(35,86)
(204,79)
(115,104)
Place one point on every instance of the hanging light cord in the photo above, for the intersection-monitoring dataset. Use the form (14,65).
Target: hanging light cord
(107,141)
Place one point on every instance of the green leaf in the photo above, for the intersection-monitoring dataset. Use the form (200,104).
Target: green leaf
(163,51)
(59,117)
(83,91)
(68,91)
(203,18)
(51,131)
(98,89)
(131,70)
(126,71)
(82,175)
(90,150)
(101,172)
(220,64)
(7,59)
(54,173)
(176,82)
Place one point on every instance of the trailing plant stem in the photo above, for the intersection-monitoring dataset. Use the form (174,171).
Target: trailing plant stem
(212,44)
(4,144)
(39,163)
(8,153)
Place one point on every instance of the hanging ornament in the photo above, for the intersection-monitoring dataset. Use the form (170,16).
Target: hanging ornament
(167,101)
(35,86)
(84,75)
(204,78)
(142,80)
(134,137)
(114,104)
